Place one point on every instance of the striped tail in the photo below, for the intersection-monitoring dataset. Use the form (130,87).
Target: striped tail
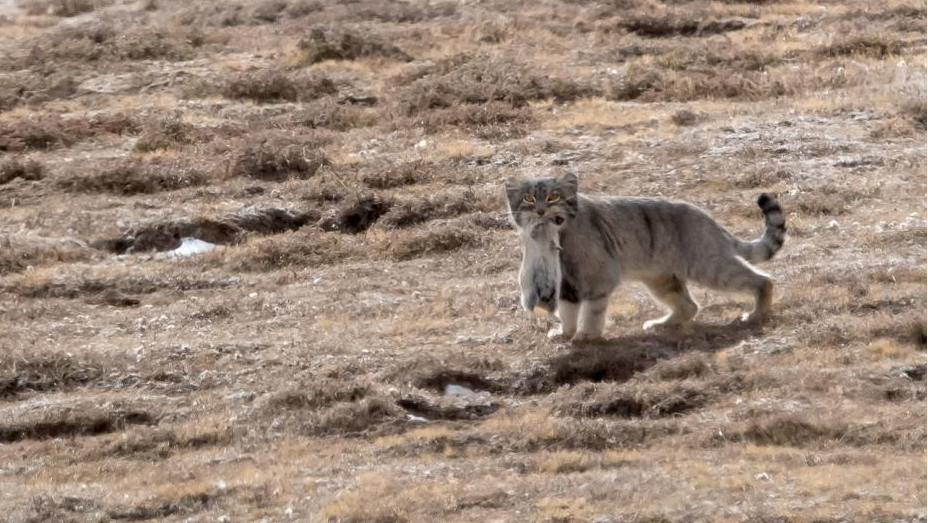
(763,248)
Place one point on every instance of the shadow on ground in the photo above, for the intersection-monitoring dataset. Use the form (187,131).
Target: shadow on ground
(620,358)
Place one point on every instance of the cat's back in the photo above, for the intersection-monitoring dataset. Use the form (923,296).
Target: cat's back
(650,230)
(644,209)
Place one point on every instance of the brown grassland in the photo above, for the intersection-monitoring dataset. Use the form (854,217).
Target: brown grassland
(347,159)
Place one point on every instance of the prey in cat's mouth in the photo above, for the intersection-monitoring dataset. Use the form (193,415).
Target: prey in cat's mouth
(540,273)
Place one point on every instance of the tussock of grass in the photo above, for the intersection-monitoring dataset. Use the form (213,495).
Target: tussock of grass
(597,400)
(19,254)
(62,8)
(487,121)
(326,113)
(133,176)
(389,176)
(29,87)
(480,79)
(277,85)
(69,422)
(276,157)
(339,43)
(304,248)
(437,238)
(50,131)
(13,168)
(670,24)
(399,12)
(98,41)
(407,212)
(45,373)
(643,82)
(863,45)
(233,14)
(329,407)
(167,133)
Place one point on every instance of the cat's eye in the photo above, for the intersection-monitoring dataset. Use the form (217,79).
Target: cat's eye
(529,198)
(558,220)
(552,197)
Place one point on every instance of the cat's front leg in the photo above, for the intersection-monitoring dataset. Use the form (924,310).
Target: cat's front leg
(567,312)
(594,319)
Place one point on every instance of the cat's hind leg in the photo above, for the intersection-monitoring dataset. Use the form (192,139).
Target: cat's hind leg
(672,292)
(736,275)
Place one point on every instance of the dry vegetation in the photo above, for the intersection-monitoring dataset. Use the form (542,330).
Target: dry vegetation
(346,159)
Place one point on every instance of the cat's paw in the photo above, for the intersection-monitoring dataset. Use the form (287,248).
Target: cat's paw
(581,337)
(753,319)
(558,335)
(659,323)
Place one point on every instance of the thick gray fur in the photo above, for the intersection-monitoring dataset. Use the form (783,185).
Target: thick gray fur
(601,241)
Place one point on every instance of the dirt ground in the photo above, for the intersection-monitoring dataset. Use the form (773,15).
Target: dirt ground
(354,351)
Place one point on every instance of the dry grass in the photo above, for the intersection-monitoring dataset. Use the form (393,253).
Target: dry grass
(19,254)
(329,114)
(445,238)
(96,41)
(129,177)
(276,157)
(14,168)
(336,43)
(49,131)
(480,79)
(64,8)
(275,85)
(353,349)
(168,133)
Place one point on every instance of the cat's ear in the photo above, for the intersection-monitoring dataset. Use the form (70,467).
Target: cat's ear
(512,186)
(568,183)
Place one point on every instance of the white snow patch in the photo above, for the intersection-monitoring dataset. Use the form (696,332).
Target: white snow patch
(189,246)
(456,390)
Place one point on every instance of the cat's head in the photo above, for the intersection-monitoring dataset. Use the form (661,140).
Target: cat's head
(542,201)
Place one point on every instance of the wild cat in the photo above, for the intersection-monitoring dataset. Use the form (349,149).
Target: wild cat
(577,248)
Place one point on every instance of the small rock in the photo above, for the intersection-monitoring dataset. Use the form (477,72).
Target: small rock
(416,419)
(763,476)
